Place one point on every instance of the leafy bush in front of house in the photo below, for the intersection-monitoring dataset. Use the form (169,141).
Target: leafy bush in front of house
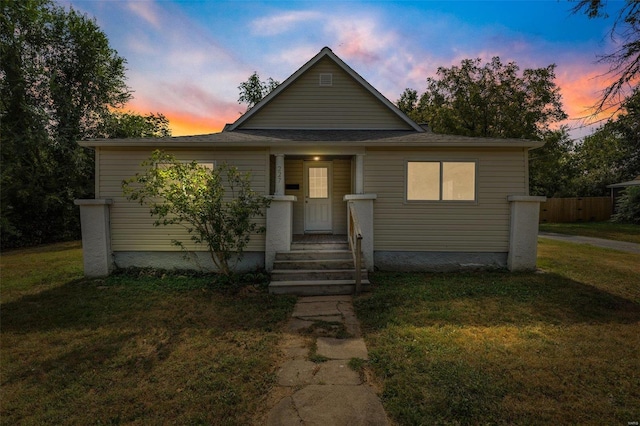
(628,206)
(215,205)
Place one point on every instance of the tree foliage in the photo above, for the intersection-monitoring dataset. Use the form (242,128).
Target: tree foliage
(216,206)
(552,169)
(628,206)
(253,90)
(60,82)
(130,125)
(624,62)
(611,154)
(490,100)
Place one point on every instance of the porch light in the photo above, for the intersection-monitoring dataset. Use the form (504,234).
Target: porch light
(316,158)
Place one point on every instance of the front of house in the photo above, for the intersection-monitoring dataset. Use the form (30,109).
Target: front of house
(329,148)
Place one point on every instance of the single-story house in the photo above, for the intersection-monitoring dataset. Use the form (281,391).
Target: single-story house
(330,149)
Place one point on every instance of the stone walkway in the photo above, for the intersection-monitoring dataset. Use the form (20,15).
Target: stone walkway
(328,391)
(598,242)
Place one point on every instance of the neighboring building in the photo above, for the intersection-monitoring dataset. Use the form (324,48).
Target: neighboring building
(322,140)
(617,188)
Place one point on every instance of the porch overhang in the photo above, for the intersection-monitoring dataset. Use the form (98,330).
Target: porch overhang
(315,149)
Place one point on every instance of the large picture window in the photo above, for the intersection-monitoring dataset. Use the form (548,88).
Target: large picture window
(441,181)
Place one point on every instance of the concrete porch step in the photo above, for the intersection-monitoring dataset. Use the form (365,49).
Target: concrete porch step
(319,246)
(315,287)
(313,264)
(314,254)
(315,274)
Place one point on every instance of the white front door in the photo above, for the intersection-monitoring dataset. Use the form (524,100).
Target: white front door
(317,196)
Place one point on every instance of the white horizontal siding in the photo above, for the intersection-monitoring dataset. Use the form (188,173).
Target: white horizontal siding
(132,225)
(343,105)
(480,226)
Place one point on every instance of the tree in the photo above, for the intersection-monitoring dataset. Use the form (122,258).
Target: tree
(253,90)
(493,100)
(624,62)
(216,206)
(612,153)
(408,103)
(59,83)
(552,169)
(131,125)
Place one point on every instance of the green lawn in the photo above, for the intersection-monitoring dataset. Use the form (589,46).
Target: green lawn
(133,348)
(559,347)
(555,347)
(606,230)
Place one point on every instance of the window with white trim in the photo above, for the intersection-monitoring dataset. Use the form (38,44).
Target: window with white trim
(441,180)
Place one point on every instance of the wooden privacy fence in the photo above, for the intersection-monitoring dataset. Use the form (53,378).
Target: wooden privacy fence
(581,209)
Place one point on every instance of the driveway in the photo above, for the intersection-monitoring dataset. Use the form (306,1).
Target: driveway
(598,242)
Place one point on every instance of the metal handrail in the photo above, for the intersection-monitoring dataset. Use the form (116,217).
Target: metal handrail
(355,243)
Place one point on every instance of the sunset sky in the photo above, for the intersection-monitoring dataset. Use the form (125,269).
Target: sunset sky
(186,59)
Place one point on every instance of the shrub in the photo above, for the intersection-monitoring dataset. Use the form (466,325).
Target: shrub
(216,206)
(628,206)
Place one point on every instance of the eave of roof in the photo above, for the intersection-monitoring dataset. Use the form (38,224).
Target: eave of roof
(335,138)
(635,182)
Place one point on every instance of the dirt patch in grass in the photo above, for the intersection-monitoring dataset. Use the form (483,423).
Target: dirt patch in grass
(606,230)
(503,348)
(137,350)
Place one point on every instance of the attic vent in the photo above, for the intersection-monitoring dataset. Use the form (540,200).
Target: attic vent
(326,79)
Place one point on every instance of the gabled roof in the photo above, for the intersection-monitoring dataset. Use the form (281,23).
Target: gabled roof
(324,53)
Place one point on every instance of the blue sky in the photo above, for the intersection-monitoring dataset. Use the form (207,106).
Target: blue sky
(186,58)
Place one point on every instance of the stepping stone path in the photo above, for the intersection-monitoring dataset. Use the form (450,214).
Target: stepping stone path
(323,329)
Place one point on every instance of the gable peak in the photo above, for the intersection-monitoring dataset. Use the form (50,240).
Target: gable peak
(326,52)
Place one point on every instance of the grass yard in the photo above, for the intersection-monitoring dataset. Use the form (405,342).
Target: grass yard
(133,348)
(559,347)
(607,230)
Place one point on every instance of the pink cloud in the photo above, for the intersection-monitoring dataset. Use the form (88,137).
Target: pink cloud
(293,58)
(581,86)
(283,22)
(361,39)
(145,10)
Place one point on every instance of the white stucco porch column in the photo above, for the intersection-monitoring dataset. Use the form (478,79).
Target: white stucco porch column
(279,227)
(523,234)
(359,174)
(279,175)
(363,206)
(96,237)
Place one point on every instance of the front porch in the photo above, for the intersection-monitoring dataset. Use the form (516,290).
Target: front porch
(311,215)
(320,238)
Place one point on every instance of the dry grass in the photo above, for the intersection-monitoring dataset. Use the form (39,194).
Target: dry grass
(559,347)
(134,350)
